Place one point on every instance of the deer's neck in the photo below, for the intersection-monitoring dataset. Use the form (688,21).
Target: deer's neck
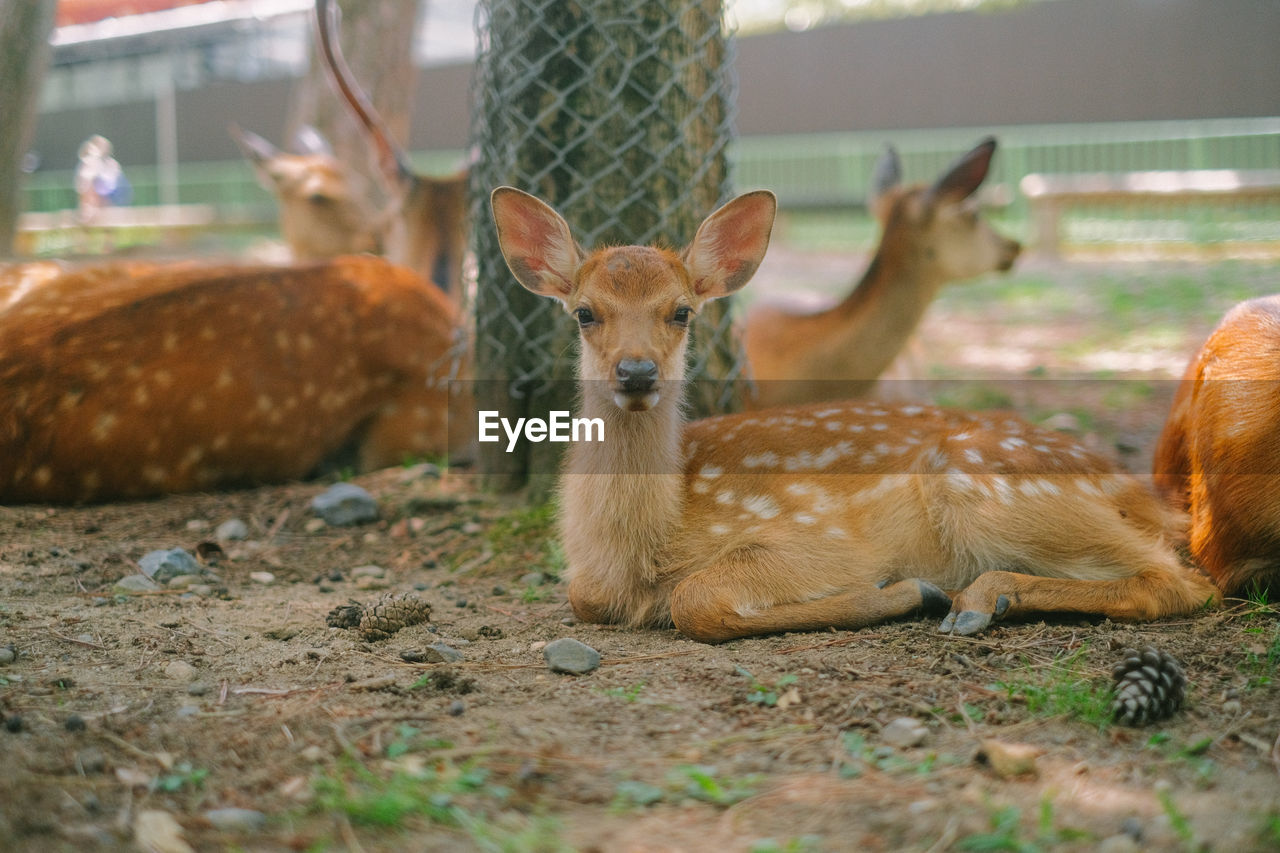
(621,501)
(875,320)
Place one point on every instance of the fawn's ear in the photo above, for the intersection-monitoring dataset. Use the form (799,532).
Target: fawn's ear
(730,244)
(964,176)
(536,243)
(886,176)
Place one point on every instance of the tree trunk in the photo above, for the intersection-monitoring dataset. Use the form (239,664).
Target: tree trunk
(616,113)
(25,26)
(376,38)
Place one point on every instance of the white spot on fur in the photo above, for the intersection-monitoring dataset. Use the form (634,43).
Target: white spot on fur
(805,518)
(768,459)
(701,487)
(973,456)
(718,529)
(725,498)
(710,472)
(1012,444)
(762,506)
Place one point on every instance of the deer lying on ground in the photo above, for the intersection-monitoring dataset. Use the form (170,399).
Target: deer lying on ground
(322,213)
(833,515)
(931,236)
(182,378)
(1219,453)
(428,229)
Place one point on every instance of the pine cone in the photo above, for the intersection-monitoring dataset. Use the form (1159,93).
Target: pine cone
(1150,686)
(383,619)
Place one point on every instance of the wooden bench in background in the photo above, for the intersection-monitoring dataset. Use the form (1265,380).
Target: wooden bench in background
(1052,195)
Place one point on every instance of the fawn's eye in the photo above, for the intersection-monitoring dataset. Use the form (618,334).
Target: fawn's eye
(584,316)
(682,315)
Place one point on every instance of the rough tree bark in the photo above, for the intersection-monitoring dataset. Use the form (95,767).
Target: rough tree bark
(25,26)
(616,112)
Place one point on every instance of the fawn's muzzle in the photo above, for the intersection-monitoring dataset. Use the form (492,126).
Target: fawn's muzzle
(636,376)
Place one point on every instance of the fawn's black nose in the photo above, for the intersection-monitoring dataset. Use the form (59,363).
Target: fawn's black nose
(637,376)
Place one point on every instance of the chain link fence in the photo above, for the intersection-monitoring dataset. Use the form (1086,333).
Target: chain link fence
(617,113)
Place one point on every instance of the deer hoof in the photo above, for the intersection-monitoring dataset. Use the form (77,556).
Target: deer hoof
(965,623)
(932,599)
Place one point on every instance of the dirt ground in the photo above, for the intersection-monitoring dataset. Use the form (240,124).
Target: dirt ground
(129,719)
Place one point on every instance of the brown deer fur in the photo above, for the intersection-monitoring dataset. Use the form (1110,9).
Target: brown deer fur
(828,515)
(1219,453)
(931,236)
(180,378)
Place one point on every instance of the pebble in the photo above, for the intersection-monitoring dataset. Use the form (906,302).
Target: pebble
(571,656)
(236,820)
(198,688)
(471,528)
(160,566)
(1118,844)
(197,524)
(311,753)
(314,525)
(187,711)
(135,583)
(368,572)
(457,708)
(344,504)
(231,530)
(442,653)
(184,581)
(13,723)
(91,760)
(904,733)
(262,577)
(75,723)
(423,470)
(179,670)
(533,579)
(8,654)
(368,582)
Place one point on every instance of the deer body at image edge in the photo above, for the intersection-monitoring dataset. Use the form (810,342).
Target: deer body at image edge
(1219,453)
(829,515)
(930,236)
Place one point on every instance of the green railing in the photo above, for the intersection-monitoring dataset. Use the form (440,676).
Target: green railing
(816,172)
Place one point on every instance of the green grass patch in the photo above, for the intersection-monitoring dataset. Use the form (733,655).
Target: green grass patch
(1064,688)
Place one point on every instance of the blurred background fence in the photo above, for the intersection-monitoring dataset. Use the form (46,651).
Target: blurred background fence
(821,181)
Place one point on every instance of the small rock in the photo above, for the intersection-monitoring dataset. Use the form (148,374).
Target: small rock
(457,708)
(421,471)
(314,525)
(231,530)
(184,581)
(160,566)
(197,524)
(135,583)
(1062,422)
(263,578)
(74,723)
(413,656)
(904,733)
(1231,706)
(1008,760)
(571,656)
(236,820)
(533,579)
(344,504)
(442,653)
(368,582)
(498,589)
(378,682)
(91,760)
(311,753)
(471,528)
(198,688)
(180,670)
(186,711)
(159,831)
(1118,844)
(13,723)
(368,572)
(8,654)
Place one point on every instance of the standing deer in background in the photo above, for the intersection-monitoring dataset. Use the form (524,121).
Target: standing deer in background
(182,378)
(931,235)
(322,213)
(827,515)
(1219,453)
(427,228)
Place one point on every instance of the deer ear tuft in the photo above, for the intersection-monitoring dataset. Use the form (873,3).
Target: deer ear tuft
(536,243)
(731,244)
